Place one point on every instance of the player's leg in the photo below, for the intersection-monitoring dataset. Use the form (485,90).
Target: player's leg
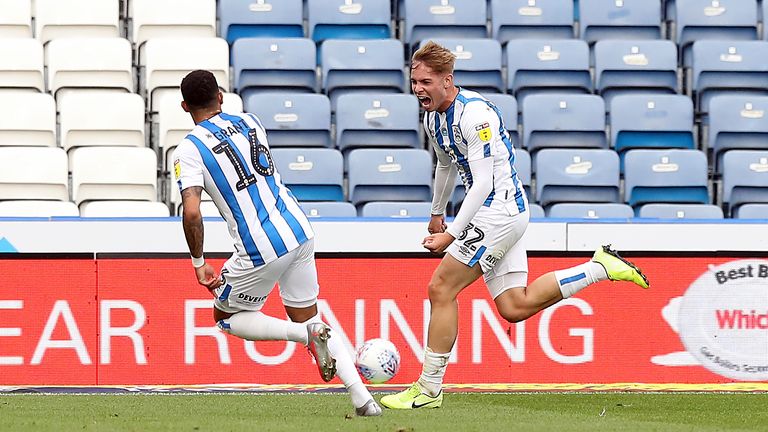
(299,290)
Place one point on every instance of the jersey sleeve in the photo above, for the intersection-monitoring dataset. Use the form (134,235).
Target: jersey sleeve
(187,166)
(480,127)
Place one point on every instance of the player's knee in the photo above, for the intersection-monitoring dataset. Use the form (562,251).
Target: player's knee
(438,292)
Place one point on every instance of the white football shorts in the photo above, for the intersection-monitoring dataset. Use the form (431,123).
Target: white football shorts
(493,240)
(247,290)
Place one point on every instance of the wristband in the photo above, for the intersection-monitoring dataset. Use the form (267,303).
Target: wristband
(198,262)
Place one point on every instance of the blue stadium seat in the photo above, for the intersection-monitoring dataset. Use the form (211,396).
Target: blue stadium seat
(367,65)
(328,209)
(728,67)
(312,174)
(752,211)
(268,64)
(400,210)
(377,120)
(293,119)
(745,178)
(613,19)
(531,19)
(341,19)
(591,210)
(651,121)
(507,105)
(647,66)
(577,176)
(563,120)
(680,211)
(665,176)
(389,175)
(737,122)
(537,211)
(708,19)
(248,18)
(535,65)
(478,64)
(427,19)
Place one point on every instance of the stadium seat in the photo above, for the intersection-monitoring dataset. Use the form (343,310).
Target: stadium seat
(113,173)
(27,119)
(713,19)
(249,18)
(76,18)
(268,64)
(680,211)
(389,175)
(428,19)
(537,211)
(22,65)
(507,105)
(177,19)
(478,64)
(591,211)
(103,118)
(343,19)
(563,120)
(665,176)
(377,120)
(399,210)
(728,67)
(312,174)
(168,60)
(745,178)
(535,65)
(576,176)
(642,66)
(89,63)
(531,19)
(33,173)
(16,19)
(746,211)
(619,19)
(328,209)
(36,208)
(651,121)
(737,122)
(123,209)
(293,119)
(362,65)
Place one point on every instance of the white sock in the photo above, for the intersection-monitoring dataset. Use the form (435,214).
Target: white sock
(433,371)
(577,278)
(256,326)
(346,369)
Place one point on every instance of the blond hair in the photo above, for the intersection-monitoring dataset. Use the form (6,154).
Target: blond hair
(436,57)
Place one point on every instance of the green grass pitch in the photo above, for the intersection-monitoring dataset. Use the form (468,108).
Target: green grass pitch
(332,412)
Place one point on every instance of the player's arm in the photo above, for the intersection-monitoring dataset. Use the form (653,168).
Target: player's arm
(445,177)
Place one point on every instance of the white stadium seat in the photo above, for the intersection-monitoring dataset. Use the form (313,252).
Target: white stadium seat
(76,18)
(35,208)
(167,61)
(22,63)
(113,173)
(171,18)
(101,118)
(33,173)
(89,62)
(16,19)
(123,209)
(27,119)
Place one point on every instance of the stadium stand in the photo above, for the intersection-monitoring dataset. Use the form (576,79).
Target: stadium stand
(113,173)
(48,181)
(681,211)
(84,63)
(121,209)
(651,121)
(398,210)
(312,174)
(478,64)
(36,208)
(171,18)
(745,178)
(27,119)
(737,122)
(22,65)
(747,211)
(377,120)
(665,176)
(260,18)
(328,209)
(16,19)
(531,19)
(428,19)
(536,65)
(389,175)
(342,19)
(576,176)
(118,119)
(293,119)
(563,120)
(612,19)
(591,211)
(76,18)
(276,65)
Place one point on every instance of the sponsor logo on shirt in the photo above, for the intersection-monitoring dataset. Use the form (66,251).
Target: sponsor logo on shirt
(483,131)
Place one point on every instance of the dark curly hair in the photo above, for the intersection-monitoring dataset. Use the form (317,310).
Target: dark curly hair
(199,89)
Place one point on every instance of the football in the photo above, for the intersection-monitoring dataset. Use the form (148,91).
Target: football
(377,360)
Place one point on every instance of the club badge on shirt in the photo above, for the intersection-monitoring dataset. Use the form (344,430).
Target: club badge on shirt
(483,131)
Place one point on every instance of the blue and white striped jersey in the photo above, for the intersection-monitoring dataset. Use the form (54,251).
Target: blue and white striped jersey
(229,157)
(472,129)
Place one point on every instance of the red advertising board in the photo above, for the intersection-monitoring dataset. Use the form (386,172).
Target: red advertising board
(145,321)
